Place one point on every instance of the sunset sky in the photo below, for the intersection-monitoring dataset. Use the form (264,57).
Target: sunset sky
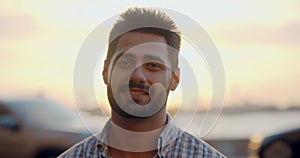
(258,41)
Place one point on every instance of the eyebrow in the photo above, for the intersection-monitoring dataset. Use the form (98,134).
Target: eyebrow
(125,55)
(147,57)
(121,54)
(153,57)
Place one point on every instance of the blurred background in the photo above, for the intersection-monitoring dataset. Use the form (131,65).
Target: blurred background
(258,42)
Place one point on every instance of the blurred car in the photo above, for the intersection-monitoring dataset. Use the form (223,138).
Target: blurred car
(282,145)
(37,127)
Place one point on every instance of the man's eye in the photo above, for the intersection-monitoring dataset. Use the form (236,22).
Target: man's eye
(124,63)
(153,66)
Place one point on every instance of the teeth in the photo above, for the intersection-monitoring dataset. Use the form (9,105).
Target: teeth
(136,92)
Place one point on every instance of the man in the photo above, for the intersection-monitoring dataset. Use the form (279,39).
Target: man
(140,69)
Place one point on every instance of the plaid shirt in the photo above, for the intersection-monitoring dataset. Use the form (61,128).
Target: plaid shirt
(172,142)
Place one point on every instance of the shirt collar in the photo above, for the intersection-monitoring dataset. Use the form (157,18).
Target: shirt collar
(167,136)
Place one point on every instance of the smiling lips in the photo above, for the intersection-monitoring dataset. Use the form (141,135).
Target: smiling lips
(138,91)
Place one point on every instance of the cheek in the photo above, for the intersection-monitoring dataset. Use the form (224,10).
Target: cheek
(163,78)
(118,73)
(118,78)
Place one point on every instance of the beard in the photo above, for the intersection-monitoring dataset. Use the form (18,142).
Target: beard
(132,109)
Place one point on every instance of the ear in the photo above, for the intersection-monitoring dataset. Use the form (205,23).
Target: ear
(175,79)
(105,72)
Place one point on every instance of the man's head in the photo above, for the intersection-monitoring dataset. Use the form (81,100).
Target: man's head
(145,20)
(142,62)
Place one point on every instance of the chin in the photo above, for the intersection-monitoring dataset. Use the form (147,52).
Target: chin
(135,109)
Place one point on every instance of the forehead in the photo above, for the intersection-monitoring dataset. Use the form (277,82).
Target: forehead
(131,39)
(143,45)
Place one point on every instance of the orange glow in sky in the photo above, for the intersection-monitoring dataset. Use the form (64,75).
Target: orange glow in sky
(259,42)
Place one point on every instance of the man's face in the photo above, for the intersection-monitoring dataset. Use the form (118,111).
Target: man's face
(139,76)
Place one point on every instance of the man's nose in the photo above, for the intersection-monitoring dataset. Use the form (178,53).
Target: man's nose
(138,75)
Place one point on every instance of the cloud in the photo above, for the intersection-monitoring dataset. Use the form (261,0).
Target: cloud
(287,34)
(15,25)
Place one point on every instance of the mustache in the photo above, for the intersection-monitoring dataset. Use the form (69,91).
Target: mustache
(134,84)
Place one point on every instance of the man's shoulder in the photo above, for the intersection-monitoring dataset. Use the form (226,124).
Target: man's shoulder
(192,145)
(81,149)
(192,140)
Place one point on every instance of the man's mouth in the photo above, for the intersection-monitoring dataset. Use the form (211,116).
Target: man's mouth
(138,91)
(140,96)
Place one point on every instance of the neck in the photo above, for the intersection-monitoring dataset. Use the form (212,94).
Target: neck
(135,137)
(141,125)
